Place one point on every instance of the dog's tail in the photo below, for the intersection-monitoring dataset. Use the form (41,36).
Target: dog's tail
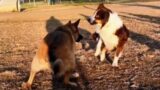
(57,67)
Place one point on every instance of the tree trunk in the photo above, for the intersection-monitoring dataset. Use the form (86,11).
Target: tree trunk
(45,1)
(59,1)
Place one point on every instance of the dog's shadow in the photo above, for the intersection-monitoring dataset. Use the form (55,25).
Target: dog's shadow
(57,84)
(52,23)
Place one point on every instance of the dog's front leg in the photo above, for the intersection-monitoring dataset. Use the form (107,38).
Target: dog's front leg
(98,48)
(103,54)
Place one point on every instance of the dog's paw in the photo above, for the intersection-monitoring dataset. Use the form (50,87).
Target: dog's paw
(102,58)
(96,54)
(26,86)
(73,84)
(114,64)
(75,75)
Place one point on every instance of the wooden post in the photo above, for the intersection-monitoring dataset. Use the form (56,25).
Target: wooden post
(18,5)
(45,1)
(107,1)
(10,5)
(29,1)
(71,1)
(34,2)
(48,1)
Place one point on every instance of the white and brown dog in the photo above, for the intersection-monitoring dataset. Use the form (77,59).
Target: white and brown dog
(113,34)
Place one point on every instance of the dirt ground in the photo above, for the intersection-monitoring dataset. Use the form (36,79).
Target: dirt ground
(139,67)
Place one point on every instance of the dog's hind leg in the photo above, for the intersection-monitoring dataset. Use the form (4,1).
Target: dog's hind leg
(40,62)
(118,54)
(67,81)
(27,85)
(34,70)
(36,66)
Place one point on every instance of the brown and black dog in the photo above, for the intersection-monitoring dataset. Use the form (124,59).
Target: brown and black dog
(111,31)
(57,49)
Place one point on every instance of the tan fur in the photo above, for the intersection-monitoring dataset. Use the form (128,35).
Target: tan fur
(42,51)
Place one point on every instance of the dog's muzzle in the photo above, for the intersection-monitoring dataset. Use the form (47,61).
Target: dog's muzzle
(80,37)
(91,20)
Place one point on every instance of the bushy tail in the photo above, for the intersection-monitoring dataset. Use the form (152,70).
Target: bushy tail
(57,67)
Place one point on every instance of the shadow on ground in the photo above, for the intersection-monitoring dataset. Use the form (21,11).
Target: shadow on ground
(142,5)
(145,18)
(8,69)
(144,39)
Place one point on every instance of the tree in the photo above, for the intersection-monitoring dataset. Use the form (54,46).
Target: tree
(45,1)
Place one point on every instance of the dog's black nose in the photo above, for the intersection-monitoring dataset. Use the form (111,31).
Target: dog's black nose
(80,37)
(88,19)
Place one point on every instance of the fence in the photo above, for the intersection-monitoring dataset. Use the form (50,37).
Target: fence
(52,2)
(81,1)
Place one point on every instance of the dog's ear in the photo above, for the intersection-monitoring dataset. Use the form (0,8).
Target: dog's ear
(69,22)
(101,6)
(76,23)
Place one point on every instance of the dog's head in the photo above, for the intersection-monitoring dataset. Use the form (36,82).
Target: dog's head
(100,16)
(74,28)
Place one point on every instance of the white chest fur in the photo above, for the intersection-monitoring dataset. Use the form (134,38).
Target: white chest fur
(107,33)
(110,40)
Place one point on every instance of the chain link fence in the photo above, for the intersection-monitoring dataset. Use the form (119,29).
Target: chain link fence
(32,3)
